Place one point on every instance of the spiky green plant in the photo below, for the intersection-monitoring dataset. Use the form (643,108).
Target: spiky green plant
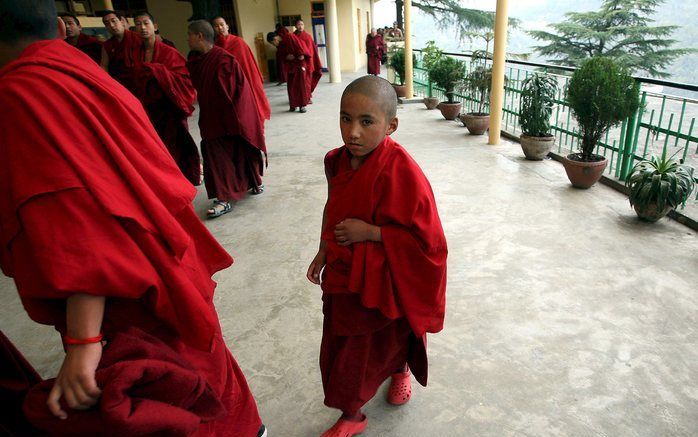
(660,181)
(536,104)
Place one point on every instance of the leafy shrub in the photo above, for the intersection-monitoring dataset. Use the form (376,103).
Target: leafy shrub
(448,73)
(537,100)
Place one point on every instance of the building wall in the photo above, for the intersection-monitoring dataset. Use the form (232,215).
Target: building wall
(256,16)
(297,7)
(352,32)
(171,17)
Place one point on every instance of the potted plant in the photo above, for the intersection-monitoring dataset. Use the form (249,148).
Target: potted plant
(659,185)
(536,107)
(448,73)
(397,63)
(601,95)
(479,83)
(430,56)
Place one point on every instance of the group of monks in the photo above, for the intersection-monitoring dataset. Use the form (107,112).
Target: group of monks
(98,231)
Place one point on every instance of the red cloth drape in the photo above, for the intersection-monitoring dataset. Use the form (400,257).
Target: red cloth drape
(405,275)
(297,70)
(123,56)
(242,53)
(314,64)
(90,46)
(17,376)
(102,142)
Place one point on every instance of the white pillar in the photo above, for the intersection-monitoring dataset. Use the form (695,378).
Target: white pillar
(332,41)
(408,49)
(499,59)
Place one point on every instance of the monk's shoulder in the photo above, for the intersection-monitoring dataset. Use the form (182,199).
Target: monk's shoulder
(402,168)
(332,159)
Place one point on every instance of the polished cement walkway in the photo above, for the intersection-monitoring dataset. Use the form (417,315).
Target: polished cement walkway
(566,316)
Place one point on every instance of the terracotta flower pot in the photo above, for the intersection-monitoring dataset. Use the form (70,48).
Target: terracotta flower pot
(477,124)
(431,102)
(583,174)
(400,90)
(650,213)
(536,148)
(450,110)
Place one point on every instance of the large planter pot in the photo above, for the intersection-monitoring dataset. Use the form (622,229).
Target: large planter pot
(477,124)
(450,110)
(400,90)
(431,102)
(649,213)
(583,174)
(536,148)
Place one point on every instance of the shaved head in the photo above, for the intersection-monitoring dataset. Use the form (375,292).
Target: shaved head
(204,28)
(379,90)
(27,20)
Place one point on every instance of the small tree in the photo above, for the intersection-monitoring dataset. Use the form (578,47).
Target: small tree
(397,62)
(601,95)
(430,55)
(536,104)
(620,30)
(448,73)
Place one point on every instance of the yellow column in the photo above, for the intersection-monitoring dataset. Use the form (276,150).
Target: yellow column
(332,41)
(408,49)
(500,50)
(108,5)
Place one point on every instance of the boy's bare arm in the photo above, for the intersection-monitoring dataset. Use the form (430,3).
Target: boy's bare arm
(353,230)
(318,262)
(76,379)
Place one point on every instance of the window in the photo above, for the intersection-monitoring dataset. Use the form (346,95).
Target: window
(76,7)
(289,20)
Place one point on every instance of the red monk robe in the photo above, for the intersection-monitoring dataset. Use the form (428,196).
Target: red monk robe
(232,139)
(91,46)
(380,299)
(297,70)
(164,88)
(281,56)
(314,64)
(374,51)
(17,376)
(242,53)
(122,57)
(93,203)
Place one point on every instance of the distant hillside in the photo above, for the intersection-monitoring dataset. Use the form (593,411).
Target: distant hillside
(536,14)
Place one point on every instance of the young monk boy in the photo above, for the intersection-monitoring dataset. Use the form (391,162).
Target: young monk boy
(384,257)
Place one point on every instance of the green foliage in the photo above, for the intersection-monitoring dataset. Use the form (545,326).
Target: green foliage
(430,55)
(619,30)
(448,73)
(396,61)
(536,104)
(661,181)
(479,82)
(601,95)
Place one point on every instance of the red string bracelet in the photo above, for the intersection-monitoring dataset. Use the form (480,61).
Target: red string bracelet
(78,341)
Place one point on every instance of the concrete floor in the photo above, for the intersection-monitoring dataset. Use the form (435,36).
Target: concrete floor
(566,316)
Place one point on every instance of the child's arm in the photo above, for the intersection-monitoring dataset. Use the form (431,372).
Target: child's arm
(353,230)
(318,262)
(76,379)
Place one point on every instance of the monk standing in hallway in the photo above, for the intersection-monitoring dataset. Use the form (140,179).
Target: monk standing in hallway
(99,234)
(232,137)
(237,47)
(382,256)
(374,52)
(314,63)
(161,82)
(301,63)
(89,45)
(118,52)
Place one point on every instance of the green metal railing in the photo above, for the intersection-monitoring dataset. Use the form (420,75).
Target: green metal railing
(664,124)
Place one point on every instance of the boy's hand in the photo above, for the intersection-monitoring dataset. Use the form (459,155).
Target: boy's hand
(76,380)
(316,266)
(353,230)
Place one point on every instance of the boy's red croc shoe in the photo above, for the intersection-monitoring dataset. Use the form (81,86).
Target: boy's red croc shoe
(346,428)
(400,389)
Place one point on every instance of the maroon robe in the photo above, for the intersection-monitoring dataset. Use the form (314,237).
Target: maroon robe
(298,70)
(380,299)
(281,56)
(123,56)
(374,51)
(89,45)
(17,376)
(314,64)
(99,207)
(164,88)
(231,130)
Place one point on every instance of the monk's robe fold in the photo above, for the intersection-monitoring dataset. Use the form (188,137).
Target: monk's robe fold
(17,376)
(297,70)
(237,47)
(164,88)
(147,388)
(379,299)
(87,148)
(374,52)
(123,56)
(314,64)
(231,130)
(90,46)
(405,275)
(91,207)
